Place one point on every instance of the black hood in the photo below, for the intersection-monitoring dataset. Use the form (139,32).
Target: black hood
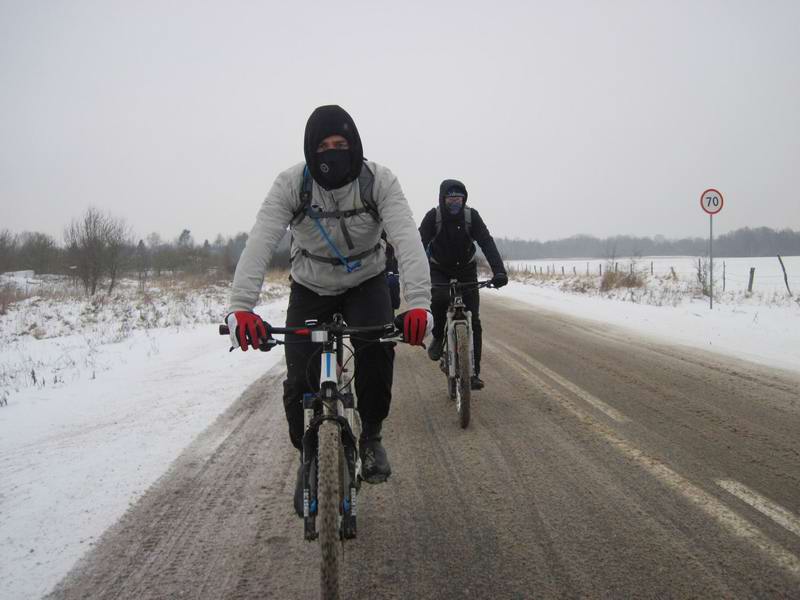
(326,121)
(447,185)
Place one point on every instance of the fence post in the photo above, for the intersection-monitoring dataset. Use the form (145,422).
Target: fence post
(785,276)
(750,284)
(631,268)
(587,268)
(574,270)
(723,275)
(562,270)
(615,267)
(651,267)
(600,266)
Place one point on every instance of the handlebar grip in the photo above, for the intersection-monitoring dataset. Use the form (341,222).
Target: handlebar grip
(223,330)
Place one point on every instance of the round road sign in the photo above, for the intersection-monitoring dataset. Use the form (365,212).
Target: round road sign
(711,201)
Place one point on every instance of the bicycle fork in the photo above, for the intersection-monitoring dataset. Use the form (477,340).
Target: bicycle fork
(451,342)
(330,405)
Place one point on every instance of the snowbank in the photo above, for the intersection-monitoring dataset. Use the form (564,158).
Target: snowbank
(767,334)
(103,420)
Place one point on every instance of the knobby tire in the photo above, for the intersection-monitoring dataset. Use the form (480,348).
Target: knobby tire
(328,507)
(463,373)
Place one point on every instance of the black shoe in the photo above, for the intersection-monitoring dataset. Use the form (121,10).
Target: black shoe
(476,383)
(435,349)
(375,466)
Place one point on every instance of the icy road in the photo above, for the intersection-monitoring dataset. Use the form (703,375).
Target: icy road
(597,464)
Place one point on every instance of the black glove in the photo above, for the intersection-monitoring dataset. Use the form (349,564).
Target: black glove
(499,280)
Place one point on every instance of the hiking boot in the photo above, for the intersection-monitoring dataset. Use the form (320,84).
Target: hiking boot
(476,383)
(435,349)
(375,466)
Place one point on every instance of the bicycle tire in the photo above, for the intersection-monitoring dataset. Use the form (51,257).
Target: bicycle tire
(328,509)
(463,373)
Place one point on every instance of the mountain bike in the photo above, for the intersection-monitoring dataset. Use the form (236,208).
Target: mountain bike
(458,358)
(331,463)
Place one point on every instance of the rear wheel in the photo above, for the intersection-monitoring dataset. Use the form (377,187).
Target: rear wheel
(328,509)
(462,384)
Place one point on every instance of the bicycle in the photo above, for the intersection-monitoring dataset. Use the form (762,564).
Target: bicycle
(458,358)
(331,463)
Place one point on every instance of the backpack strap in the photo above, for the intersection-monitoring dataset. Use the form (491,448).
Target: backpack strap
(366,183)
(467,220)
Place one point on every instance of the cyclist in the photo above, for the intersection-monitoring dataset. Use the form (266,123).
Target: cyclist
(336,205)
(448,233)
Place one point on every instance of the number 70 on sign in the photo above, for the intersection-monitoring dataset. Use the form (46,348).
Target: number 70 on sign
(711,201)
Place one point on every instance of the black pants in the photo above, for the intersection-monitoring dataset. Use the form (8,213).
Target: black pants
(440,298)
(367,304)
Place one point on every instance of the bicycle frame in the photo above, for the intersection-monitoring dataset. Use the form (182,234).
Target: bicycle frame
(334,402)
(458,351)
(457,312)
(330,441)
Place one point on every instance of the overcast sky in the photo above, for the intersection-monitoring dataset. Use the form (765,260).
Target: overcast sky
(560,117)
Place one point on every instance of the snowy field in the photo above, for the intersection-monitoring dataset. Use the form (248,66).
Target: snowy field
(762,327)
(122,386)
(103,395)
(732,273)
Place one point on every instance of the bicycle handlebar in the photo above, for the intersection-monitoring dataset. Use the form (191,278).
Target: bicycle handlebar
(390,333)
(462,285)
(389,328)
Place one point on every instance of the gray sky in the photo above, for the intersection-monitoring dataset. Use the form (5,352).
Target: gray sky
(560,117)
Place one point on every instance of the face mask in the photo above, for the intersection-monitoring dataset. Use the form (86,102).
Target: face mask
(454,204)
(334,167)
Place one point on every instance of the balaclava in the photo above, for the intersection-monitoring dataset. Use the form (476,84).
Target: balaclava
(332,169)
(451,188)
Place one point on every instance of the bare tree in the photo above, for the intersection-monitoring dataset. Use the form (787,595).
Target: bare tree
(141,262)
(95,244)
(117,239)
(38,251)
(8,250)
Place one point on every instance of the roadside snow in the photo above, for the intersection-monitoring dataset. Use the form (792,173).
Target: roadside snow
(77,451)
(765,334)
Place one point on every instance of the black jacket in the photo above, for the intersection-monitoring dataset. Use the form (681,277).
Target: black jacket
(453,248)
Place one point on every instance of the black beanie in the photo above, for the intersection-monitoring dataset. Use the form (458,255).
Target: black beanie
(326,121)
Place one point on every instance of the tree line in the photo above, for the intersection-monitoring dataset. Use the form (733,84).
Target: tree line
(759,241)
(98,248)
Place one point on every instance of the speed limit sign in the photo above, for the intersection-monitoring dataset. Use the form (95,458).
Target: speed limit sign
(711,201)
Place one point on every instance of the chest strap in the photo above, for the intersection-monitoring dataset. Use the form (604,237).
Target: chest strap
(347,261)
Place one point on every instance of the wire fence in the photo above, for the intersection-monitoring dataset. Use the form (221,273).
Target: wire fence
(729,273)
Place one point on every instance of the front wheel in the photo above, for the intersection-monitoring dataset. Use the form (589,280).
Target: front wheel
(328,509)
(463,372)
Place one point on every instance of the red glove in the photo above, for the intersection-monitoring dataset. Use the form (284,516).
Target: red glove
(417,323)
(246,328)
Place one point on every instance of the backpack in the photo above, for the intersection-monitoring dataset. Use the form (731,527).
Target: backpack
(366,180)
(467,220)
(467,226)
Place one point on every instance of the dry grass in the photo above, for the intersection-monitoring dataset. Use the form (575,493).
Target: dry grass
(10,294)
(621,279)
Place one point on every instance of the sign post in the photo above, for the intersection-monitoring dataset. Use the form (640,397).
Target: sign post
(711,202)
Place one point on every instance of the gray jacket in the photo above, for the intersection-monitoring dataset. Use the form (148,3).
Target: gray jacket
(326,279)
